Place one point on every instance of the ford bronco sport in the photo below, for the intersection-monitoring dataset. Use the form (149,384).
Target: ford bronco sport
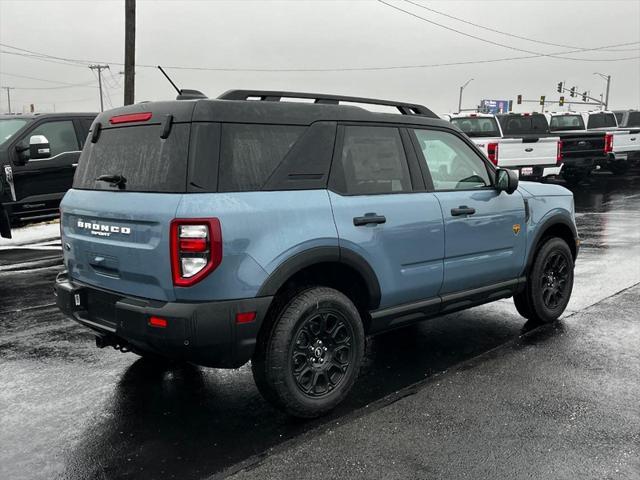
(218,231)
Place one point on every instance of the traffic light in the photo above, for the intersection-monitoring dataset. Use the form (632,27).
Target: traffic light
(573,91)
(519,100)
(542,100)
(584,96)
(560,87)
(561,102)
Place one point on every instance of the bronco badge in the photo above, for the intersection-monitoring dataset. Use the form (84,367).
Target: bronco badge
(516,228)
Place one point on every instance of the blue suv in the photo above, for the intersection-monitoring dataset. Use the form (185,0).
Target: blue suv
(248,227)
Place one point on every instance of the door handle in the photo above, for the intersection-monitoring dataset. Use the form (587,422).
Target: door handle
(528,149)
(369,218)
(462,210)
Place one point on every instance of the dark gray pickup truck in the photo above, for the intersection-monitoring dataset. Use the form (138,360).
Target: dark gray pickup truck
(582,151)
(38,157)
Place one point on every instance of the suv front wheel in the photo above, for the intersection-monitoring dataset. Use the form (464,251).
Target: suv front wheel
(549,283)
(310,359)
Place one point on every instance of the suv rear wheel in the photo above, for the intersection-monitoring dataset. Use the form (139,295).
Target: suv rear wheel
(311,358)
(549,283)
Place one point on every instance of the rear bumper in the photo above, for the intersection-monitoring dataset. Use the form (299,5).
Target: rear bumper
(537,171)
(204,333)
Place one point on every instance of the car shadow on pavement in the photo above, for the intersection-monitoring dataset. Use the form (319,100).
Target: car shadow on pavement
(167,419)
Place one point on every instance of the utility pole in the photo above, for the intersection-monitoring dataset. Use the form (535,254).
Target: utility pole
(99,68)
(460,97)
(8,89)
(129,51)
(606,95)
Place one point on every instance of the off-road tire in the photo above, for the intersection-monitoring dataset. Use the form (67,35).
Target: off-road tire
(548,288)
(278,354)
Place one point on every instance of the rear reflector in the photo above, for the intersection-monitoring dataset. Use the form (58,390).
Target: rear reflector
(158,322)
(130,117)
(245,317)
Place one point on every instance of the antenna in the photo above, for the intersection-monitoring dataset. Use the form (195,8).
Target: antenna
(170,81)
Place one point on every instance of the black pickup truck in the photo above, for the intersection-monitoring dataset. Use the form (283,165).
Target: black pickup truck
(582,151)
(38,157)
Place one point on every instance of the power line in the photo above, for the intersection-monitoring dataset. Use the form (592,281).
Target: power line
(484,27)
(491,42)
(372,68)
(38,79)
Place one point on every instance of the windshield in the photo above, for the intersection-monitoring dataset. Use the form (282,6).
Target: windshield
(9,126)
(515,124)
(566,122)
(477,126)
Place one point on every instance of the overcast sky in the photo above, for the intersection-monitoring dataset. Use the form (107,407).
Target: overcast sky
(320,35)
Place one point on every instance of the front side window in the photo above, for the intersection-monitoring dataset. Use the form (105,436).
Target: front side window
(372,161)
(61,136)
(453,165)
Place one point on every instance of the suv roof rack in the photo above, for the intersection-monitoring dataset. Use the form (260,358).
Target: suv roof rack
(276,96)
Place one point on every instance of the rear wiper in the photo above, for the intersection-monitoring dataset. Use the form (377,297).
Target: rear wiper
(117,180)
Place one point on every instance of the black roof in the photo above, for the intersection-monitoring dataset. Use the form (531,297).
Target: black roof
(233,107)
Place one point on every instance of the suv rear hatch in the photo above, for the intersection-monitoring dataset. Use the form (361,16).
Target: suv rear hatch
(127,188)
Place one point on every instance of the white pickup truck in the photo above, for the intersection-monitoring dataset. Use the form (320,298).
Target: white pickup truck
(518,141)
(622,145)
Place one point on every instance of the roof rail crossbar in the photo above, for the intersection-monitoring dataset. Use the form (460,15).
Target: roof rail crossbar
(276,96)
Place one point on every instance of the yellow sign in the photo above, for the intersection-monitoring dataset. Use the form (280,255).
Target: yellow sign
(516,228)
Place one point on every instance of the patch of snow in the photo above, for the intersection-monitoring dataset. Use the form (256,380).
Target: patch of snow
(31,234)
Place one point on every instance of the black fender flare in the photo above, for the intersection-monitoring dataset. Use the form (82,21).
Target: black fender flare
(317,255)
(557,219)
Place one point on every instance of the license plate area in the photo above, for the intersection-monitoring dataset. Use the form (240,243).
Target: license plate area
(526,171)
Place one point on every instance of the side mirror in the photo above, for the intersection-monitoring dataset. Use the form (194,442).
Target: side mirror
(506,180)
(39,147)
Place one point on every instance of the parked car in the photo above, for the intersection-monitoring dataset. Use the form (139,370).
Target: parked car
(516,141)
(582,151)
(38,156)
(227,230)
(622,145)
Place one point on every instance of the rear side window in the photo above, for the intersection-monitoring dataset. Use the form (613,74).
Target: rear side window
(602,120)
(147,162)
(477,126)
(372,161)
(523,124)
(250,153)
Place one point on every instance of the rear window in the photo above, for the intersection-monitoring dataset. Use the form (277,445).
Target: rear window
(477,126)
(602,120)
(523,124)
(250,153)
(566,122)
(633,120)
(147,162)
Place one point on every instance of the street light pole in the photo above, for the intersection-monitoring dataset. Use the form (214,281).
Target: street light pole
(460,97)
(606,95)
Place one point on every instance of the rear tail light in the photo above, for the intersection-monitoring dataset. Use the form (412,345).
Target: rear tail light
(608,143)
(559,153)
(196,249)
(492,153)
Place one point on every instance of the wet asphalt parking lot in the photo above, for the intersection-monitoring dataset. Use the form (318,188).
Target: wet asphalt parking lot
(69,410)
